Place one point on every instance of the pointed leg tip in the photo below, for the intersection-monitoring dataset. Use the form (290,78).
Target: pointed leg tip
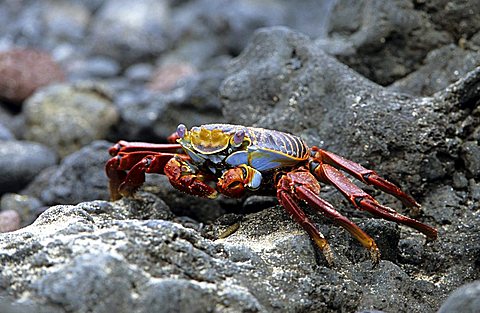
(328,254)
(374,256)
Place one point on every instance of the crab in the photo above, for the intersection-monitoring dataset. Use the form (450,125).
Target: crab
(235,160)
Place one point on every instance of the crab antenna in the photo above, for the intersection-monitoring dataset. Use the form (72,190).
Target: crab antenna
(181,130)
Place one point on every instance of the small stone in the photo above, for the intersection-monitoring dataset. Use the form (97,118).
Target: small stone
(21,161)
(459,181)
(471,156)
(465,299)
(9,221)
(24,71)
(79,177)
(167,76)
(26,206)
(140,72)
(67,117)
(5,133)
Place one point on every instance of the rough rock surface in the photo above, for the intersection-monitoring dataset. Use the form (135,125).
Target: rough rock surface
(129,255)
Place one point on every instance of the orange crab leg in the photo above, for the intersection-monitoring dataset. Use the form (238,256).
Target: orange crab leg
(364,175)
(303,186)
(363,201)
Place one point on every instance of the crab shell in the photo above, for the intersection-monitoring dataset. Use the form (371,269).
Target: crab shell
(261,149)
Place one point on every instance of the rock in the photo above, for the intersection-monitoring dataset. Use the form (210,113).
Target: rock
(67,117)
(383,41)
(95,67)
(141,26)
(64,21)
(76,256)
(21,161)
(465,299)
(471,157)
(23,71)
(79,177)
(140,72)
(5,133)
(275,84)
(442,67)
(166,77)
(27,207)
(283,81)
(9,221)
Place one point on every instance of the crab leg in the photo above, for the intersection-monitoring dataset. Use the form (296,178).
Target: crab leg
(302,185)
(292,208)
(137,163)
(125,146)
(364,175)
(363,201)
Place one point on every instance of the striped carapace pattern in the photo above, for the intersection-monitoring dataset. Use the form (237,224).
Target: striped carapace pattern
(273,140)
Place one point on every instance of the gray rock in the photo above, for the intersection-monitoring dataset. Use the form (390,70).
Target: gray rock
(276,83)
(79,177)
(442,67)
(100,256)
(94,67)
(21,161)
(383,40)
(5,133)
(465,299)
(471,157)
(130,31)
(67,117)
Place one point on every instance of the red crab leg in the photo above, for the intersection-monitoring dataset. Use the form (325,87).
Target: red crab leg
(365,175)
(136,176)
(302,185)
(363,201)
(292,208)
(121,183)
(125,146)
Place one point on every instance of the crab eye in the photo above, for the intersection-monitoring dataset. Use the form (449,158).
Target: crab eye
(238,137)
(181,130)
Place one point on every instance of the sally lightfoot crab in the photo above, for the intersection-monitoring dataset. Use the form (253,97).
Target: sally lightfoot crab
(233,160)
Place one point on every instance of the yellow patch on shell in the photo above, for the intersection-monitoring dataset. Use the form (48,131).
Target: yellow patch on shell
(209,141)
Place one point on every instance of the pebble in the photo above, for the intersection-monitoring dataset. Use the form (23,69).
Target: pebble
(9,221)
(66,117)
(471,157)
(21,161)
(27,207)
(167,76)
(465,299)
(22,71)
(129,31)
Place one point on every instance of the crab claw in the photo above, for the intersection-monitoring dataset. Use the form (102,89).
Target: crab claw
(232,183)
(236,181)
(184,177)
